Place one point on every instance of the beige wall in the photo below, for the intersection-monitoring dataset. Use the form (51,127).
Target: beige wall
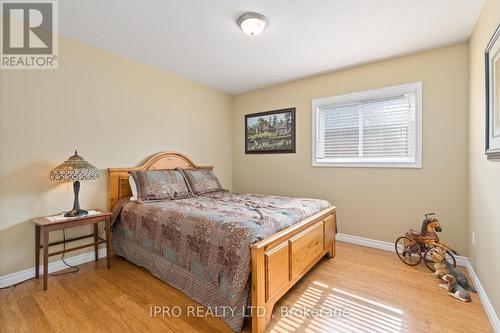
(377,203)
(116,112)
(94,101)
(484,175)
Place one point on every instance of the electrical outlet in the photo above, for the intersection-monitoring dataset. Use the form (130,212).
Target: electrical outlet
(473,238)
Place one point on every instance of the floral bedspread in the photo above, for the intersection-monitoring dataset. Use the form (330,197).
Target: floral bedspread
(207,238)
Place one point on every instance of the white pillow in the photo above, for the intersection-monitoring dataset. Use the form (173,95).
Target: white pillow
(133,187)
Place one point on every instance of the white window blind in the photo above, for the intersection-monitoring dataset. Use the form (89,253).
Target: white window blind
(374,128)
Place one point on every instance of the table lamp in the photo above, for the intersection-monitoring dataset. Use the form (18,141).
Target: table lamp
(74,169)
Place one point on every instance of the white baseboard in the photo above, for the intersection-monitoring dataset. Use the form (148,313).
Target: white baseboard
(488,307)
(386,246)
(381,245)
(461,261)
(54,266)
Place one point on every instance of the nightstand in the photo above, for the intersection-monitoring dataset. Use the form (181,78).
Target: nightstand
(44,225)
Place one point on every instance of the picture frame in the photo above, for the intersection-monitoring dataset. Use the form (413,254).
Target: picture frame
(270,132)
(492,96)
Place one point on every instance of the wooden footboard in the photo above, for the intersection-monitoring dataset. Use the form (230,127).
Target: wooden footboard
(279,261)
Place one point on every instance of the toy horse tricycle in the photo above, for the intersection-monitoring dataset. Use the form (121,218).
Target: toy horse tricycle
(415,246)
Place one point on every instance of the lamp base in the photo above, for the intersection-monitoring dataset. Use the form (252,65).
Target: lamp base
(75,213)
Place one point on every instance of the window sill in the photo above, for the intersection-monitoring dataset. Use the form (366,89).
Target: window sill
(369,165)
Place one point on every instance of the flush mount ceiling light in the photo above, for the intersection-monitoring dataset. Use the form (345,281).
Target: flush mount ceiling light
(252,23)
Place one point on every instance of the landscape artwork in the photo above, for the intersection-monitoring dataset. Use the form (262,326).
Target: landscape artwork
(270,132)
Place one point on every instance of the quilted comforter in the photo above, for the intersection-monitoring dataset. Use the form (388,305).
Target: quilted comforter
(201,245)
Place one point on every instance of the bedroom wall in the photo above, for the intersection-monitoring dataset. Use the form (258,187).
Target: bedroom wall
(377,203)
(484,175)
(116,112)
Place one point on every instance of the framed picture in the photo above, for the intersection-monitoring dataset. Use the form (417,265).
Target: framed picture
(492,61)
(270,132)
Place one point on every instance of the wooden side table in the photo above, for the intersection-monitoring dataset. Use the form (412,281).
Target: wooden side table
(43,226)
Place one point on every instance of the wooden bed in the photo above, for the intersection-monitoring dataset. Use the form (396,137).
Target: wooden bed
(278,261)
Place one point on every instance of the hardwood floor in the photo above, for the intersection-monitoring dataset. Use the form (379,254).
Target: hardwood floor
(380,293)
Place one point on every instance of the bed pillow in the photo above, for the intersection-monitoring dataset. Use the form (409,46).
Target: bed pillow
(202,181)
(133,188)
(160,185)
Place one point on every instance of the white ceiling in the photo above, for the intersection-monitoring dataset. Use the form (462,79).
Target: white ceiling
(199,39)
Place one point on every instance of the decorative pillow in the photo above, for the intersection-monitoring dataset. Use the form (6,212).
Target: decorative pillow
(160,185)
(202,180)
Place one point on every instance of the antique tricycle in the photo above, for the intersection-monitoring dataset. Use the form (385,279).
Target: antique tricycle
(416,246)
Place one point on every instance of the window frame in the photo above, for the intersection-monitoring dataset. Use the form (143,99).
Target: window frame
(359,97)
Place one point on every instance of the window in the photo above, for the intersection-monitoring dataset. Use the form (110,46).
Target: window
(376,128)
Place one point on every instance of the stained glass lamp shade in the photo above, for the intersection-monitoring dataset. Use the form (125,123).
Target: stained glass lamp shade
(74,169)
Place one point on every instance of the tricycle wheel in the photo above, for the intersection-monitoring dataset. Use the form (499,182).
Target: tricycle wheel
(408,251)
(430,264)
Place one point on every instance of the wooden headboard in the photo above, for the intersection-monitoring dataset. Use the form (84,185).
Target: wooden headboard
(118,177)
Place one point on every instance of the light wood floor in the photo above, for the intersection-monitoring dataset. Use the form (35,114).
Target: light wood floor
(381,294)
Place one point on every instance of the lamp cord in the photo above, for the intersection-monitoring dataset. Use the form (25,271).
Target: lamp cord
(74,268)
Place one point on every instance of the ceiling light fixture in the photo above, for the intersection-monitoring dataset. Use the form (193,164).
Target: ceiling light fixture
(252,24)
